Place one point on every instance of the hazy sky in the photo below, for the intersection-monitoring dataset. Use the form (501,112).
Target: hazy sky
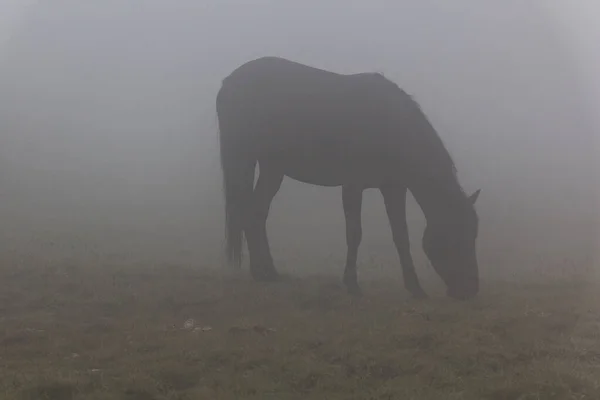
(122,93)
(12,15)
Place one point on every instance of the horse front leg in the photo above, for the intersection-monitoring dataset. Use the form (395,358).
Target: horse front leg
(352,202)
(394,198)
(262,267)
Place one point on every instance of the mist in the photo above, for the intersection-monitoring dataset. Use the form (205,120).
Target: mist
(113,277)
(109,139)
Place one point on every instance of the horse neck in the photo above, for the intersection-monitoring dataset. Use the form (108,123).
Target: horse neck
(440,200)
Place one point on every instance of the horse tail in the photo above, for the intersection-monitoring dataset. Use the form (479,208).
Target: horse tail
(238,182)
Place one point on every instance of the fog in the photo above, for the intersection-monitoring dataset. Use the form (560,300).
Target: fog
(109,140)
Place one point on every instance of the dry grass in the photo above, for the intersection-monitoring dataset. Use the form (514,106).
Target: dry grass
(118,333)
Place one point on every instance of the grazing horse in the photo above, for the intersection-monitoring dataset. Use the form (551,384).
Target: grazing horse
(356,131)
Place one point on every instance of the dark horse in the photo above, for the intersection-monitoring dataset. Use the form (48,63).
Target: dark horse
(356,131)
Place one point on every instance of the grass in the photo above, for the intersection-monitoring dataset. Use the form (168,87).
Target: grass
(167,333)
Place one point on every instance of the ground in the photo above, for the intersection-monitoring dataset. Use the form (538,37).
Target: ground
(71,332)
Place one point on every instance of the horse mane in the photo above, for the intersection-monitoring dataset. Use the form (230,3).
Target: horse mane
(441,161)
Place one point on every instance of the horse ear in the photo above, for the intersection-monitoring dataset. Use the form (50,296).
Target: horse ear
(474,196)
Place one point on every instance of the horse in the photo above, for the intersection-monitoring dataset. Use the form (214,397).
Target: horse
(357,131)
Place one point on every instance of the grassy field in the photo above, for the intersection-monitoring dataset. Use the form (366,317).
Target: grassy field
(155,333)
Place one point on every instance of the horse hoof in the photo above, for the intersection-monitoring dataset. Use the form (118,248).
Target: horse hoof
(419,294)
(265,276)
(355,291)
(271,277)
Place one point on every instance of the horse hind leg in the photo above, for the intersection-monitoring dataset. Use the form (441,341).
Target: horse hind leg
(352,203)
(261,262)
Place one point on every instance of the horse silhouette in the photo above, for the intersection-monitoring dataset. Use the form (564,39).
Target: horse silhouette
(356,131)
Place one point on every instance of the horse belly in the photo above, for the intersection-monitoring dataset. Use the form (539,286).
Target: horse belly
(332,169)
